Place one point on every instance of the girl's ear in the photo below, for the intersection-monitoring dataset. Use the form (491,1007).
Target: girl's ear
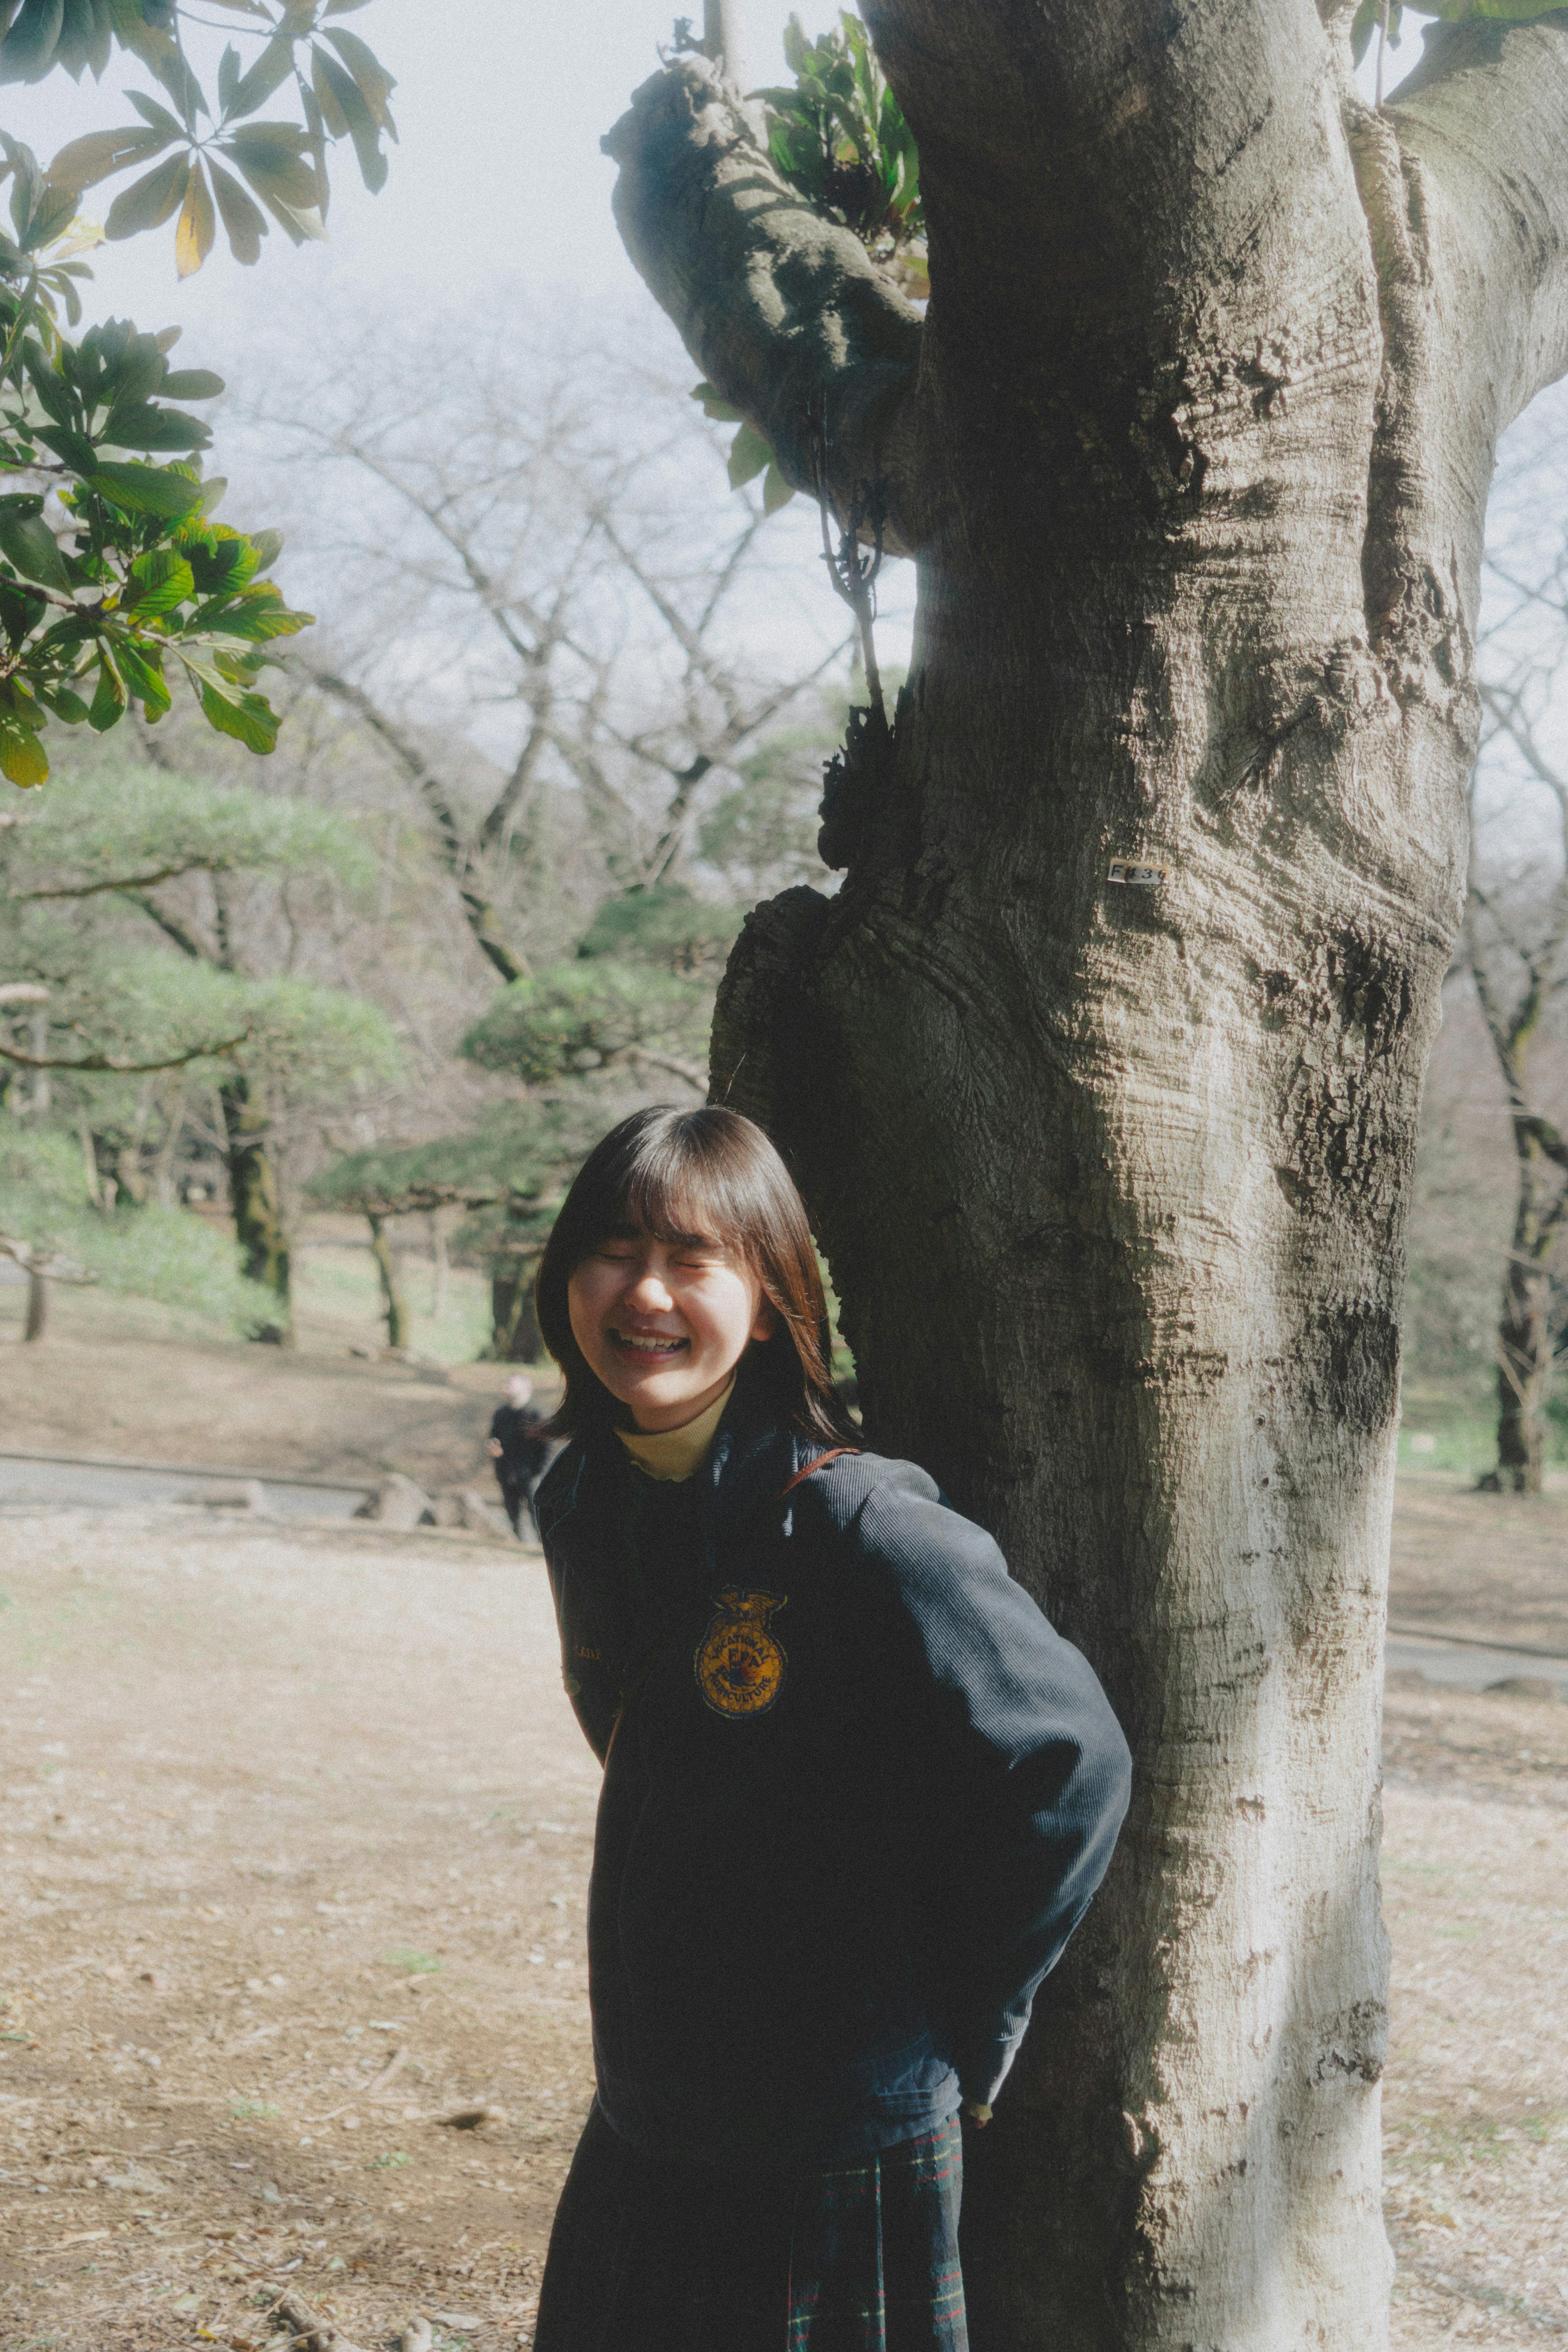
(767,1321)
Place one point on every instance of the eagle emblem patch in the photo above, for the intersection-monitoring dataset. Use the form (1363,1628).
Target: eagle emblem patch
(740,1665)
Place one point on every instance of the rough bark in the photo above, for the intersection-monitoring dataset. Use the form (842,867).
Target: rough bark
(1113,1181)
(255,1201)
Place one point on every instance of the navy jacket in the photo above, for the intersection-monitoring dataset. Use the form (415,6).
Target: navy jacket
(858,1803)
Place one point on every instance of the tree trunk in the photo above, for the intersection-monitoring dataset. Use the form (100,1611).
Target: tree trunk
(400,1325)
(440,1266)
(38,1304)
(256,1198)
(1524,1342)
(1192,451)
(515,1329)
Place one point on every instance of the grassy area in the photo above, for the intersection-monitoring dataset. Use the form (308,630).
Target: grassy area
(1447,1425)
(337,1296)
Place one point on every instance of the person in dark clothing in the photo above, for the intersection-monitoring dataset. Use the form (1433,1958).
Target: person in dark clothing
(858,1792)
(519,1449)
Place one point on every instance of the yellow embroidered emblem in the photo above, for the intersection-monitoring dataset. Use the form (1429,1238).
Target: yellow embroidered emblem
(740,1665)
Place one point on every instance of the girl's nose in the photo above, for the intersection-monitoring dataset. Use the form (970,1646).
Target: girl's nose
(648,1294)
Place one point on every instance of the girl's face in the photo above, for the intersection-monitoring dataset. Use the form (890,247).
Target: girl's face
(663,1324)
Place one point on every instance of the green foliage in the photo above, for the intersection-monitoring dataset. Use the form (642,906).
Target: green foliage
(341,91)
(839,135)
(589,1015)
(170,1255)
(764,833)
(522,1152)
(663,925)
(1369,17)
(111,566)
(121,825)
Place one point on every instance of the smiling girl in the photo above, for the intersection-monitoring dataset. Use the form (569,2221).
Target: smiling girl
(857,1792)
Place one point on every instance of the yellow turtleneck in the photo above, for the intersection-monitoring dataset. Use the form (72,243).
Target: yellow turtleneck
(672,1454)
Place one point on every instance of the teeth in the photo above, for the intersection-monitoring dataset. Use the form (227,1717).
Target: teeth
(648,1346)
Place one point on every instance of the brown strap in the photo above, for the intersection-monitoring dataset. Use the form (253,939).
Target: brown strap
(650,1661)
(820,1463)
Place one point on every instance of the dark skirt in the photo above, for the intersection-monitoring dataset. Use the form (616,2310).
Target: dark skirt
(647,2256)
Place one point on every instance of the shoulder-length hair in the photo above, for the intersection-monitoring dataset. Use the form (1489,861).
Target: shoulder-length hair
(672,1174)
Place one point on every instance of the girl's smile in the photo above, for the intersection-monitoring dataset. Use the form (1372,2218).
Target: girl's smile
(665,1323)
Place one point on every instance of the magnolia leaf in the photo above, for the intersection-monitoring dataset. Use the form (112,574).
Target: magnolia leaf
(85,162)
(194,238)
(268,546)
(776,491)
(248,718)
(22,757)
(374,83)
(714,405)
(332,114)
(159,116)
(146,203)
(32,547)
(192,384)
(158,581)
(64,704)
(108,705)
(73,449)
(142,666)
(137,424)
(273,68)
(29,49)
(748,453)
(245,224)
(147,489)
(361,121)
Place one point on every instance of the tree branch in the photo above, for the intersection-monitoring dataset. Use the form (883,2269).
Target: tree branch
(483,920)
(1484,113)
(784,311)
(100,1062)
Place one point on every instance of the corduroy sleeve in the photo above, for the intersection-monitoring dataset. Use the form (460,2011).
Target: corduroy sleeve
(1012,1726)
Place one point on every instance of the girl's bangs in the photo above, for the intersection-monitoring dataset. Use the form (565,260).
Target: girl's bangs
(671,1195)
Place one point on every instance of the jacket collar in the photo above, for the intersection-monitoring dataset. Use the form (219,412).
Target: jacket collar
(754,1456)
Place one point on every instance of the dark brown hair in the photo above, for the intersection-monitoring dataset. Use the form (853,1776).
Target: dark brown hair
(673,1173)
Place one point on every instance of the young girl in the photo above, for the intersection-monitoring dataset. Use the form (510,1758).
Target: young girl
(857,1793)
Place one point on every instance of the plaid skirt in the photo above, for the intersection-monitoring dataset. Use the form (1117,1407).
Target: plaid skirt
(647,2256)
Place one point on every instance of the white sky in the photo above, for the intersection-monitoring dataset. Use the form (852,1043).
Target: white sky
(500,108)
(497,187)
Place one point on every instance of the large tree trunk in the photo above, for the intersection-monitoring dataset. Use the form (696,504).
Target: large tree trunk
(1192,451)
(256,1200)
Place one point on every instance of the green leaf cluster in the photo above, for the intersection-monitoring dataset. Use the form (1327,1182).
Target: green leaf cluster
(586,1016)
(218,163)
(112,567)
(1369,16)
(663,925)
(123,825)
(519,1161)
(749,453)
(839,135)
(166,1253)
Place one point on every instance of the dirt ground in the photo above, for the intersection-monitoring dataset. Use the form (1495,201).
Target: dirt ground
(295,1835)
(293,1847)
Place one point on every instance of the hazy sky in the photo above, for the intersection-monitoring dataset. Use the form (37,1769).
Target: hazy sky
(498,177)
(497,187)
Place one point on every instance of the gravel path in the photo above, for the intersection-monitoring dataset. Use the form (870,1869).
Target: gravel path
(293,1848)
